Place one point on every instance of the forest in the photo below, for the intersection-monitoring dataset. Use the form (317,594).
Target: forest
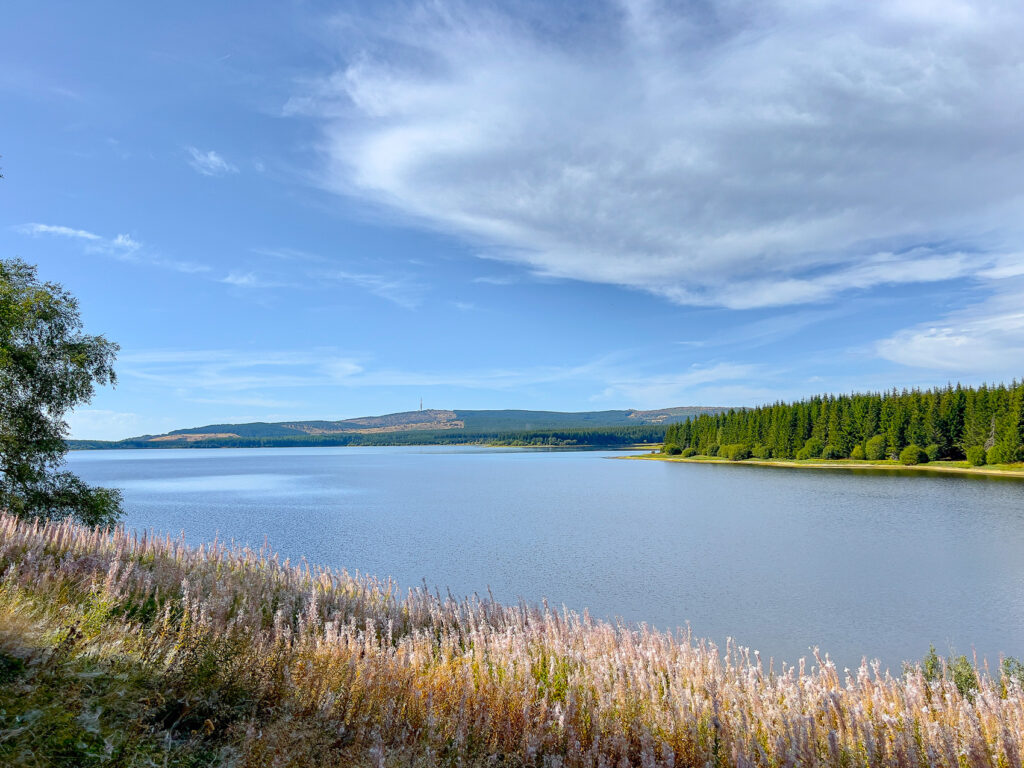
(577,436)
(984,425)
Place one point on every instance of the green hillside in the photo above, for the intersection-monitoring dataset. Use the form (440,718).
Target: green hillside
(427,427)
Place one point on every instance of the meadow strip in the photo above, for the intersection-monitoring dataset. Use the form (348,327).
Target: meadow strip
(225,654)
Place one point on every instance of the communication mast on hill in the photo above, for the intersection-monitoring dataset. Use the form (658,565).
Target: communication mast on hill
(421,403)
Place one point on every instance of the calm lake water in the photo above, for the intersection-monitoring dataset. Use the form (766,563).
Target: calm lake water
(779,559)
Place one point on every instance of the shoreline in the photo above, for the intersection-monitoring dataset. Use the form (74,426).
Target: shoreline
(848,464)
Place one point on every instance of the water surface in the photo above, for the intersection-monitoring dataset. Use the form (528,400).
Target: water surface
(780,559)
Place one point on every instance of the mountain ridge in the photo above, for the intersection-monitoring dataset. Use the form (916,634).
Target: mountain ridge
(433,425)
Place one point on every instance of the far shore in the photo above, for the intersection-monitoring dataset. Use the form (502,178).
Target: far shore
(950,467)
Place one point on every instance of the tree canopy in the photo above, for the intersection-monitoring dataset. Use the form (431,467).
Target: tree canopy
(47,367)
(986,423)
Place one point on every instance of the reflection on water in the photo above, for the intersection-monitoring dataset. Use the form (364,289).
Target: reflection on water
(780,559)
(241,484)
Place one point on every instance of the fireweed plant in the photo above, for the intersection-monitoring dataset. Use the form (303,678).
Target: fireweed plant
(120,649)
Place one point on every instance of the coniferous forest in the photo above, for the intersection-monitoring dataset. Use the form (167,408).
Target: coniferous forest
(984,425)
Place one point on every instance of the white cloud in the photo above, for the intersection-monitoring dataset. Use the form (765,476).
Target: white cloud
(235,371)
(984,339)
(50,229)
(729,154)
(209,163)
(698,384)
(249,280)
(99,424)
(121,247)
(231,376)
(398,290)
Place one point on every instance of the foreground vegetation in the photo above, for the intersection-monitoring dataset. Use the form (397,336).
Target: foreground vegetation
(116,650)
(983,425)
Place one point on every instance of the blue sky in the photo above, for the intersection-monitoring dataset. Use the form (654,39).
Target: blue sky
(315,210)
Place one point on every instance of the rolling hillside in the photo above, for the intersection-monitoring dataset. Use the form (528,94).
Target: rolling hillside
(426,427)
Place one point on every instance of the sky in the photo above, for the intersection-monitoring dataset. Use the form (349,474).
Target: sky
(311,210)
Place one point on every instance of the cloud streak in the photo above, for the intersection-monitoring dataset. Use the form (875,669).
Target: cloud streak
(727,154)
(228,376)
(209,163)
(987,337)
(121,247)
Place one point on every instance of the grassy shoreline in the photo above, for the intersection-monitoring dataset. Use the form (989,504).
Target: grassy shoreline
(120,650)
(1015,471)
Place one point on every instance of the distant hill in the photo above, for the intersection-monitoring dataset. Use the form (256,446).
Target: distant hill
(429,427)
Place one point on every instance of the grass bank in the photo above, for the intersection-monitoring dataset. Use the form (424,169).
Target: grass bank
(116,650)
(955,467)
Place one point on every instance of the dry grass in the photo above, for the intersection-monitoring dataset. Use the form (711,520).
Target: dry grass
(117,650)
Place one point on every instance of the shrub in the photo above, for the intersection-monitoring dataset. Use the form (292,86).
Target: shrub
(832,452)
(976,456)
(1002,454)
(688,452)
(857,454)
(956,668)
(964,677)
(761,451)
(1011,671)
(913,454)
(934,452)
(671,449)
(735,451)
(874,449)
(812,449)
(713,449)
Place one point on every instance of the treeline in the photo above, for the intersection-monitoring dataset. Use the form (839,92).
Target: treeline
(588,436)
(592,436)
(982,424)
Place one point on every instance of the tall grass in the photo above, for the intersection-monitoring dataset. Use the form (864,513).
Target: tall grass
(118,649)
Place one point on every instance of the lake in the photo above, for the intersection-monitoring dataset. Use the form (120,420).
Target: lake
(856,563)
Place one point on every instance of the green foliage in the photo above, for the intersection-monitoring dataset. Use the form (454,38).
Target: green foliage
(712,450)
(958,669)
(735,451)
(1001,453)
(857,454)
(976,456)
(913,454)
(47,367)
(874,449)
(932,666)
(688,452)
(582,436)
(504,426)
(964,677)
(832,452)
(812,449)
(1011,671)
(671,449)
(761,451)
(947,420)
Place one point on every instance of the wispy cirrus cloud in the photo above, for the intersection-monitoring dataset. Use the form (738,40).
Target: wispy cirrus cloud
(209,163)
(122,247)
(234,371)
(986,338)
(59,231)
(249,279)
(315,274)
(251,377)
(727,154)
(398,289)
